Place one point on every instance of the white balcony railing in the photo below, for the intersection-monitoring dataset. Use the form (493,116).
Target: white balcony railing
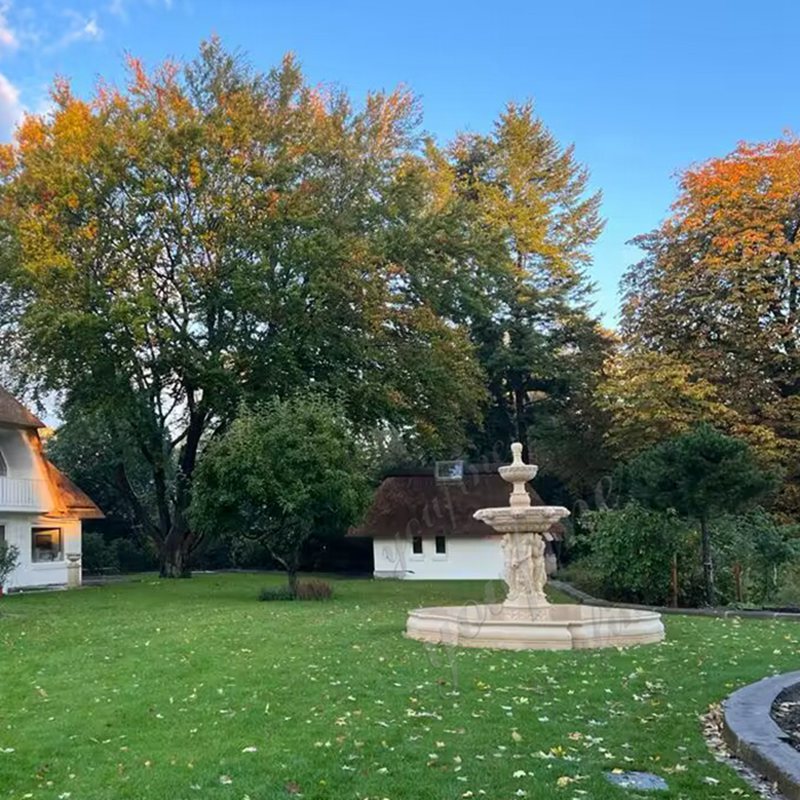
(23,494)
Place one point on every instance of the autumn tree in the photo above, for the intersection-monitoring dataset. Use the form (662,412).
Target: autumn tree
(536,338)
(208,233)
(651,396)
(719,288)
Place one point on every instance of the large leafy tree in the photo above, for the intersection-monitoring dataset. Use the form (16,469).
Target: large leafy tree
(651,396)
(208,233)
(281,473)
(700,474)
(536,338)
(719,287)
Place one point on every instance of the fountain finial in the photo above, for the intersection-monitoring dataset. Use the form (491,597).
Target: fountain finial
(518,473)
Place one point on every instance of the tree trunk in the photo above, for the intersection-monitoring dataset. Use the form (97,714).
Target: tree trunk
(519,415)
(175,556)
(708,562)
(291,574)
(291,563)
(178,542)
(737,582)
(674,579)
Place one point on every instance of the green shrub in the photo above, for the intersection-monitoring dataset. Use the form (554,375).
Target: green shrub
(632,550)
(135,554)
(269,593)
(629,556)
(98,556)
(788,593)
(753,553)
(9,558)
(702,475)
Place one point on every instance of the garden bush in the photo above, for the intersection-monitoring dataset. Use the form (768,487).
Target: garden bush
(627,555)
(98,556)
(632,550)
(753,552)
(9,558)
(135,554)
(269,593)
(788,594)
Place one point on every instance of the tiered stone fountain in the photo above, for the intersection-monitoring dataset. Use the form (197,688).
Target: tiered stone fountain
(526,620)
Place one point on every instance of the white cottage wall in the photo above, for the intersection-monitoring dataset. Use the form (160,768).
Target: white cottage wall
(29,573)
(467,558)
(17,454)
(24,487)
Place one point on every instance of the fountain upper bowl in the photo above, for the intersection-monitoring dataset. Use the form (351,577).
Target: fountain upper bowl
(518,473)
(521,519)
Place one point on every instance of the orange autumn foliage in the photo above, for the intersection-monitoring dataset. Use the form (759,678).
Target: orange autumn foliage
(719,290)
(747,202)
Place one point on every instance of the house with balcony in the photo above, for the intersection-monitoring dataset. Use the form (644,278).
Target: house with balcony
(41,510)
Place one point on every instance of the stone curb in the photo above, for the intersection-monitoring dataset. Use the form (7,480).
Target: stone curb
(754,737)
(583,597)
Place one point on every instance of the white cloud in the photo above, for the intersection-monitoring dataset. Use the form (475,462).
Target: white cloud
(8,38)
(11,109)
(81,29)
(119,8)
(91,30)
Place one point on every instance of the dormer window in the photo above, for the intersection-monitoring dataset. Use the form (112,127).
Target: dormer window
(3,466)
(449,471)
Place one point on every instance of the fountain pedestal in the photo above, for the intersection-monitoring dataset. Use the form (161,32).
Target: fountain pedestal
(526,619)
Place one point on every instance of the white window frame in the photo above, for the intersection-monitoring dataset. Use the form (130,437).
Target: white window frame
(421,555)
(3,466)
(436,554)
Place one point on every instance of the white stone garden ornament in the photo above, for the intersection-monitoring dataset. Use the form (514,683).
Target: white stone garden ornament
(526,619)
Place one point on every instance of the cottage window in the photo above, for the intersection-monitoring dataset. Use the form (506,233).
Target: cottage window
(449,471)
(46,544)
(416,545)
(441,545)
(2,534)
(3,466)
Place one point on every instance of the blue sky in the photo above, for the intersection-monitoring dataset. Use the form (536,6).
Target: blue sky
(642,88)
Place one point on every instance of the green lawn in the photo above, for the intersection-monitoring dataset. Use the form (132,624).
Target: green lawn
(192,689)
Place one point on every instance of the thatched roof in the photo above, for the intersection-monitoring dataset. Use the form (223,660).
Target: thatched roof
(415,503)
(13,413)
(73,501)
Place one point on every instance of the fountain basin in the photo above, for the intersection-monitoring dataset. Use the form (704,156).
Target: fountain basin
(556,627)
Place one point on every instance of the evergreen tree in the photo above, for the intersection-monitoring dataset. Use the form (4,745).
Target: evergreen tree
(701,474)
(536,338)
